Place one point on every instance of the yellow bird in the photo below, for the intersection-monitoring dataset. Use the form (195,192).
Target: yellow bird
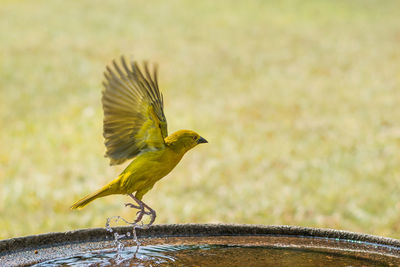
(135,127)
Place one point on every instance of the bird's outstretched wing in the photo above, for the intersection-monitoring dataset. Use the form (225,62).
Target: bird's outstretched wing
(134,119)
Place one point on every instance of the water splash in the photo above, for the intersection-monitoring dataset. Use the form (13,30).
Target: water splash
(136,224)
(118,237)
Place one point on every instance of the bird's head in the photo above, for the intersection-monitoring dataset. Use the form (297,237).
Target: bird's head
(185,140)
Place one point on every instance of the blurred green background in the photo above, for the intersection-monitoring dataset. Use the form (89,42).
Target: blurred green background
(299,101)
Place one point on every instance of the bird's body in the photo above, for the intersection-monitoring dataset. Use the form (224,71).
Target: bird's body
(144,171)
(135,127)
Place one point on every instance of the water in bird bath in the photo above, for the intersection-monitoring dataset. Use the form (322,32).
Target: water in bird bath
(231,251)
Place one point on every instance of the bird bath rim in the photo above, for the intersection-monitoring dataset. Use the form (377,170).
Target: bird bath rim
(24,250)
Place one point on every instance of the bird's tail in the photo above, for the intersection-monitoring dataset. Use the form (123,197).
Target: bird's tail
(105,191)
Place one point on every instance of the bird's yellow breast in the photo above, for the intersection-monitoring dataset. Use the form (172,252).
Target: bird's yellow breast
(146,169)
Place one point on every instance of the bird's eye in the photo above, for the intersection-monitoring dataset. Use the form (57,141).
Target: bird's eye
(194,137)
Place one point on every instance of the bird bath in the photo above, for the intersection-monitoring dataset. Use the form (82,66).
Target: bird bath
(204,245)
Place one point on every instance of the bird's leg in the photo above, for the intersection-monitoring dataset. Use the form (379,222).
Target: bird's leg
(140,207)
(152,214)
(142,210)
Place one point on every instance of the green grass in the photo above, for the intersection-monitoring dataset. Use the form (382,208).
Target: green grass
(299,101)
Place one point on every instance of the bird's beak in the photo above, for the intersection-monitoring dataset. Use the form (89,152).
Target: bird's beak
(201,140)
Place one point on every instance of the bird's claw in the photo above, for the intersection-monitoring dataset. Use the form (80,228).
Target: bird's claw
(147,212)
(132,206)
(143,209)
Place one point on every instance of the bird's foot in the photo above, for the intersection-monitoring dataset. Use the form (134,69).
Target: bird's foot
(143,209)
(139,214)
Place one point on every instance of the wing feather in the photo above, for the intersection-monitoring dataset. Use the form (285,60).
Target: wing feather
(133,105)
